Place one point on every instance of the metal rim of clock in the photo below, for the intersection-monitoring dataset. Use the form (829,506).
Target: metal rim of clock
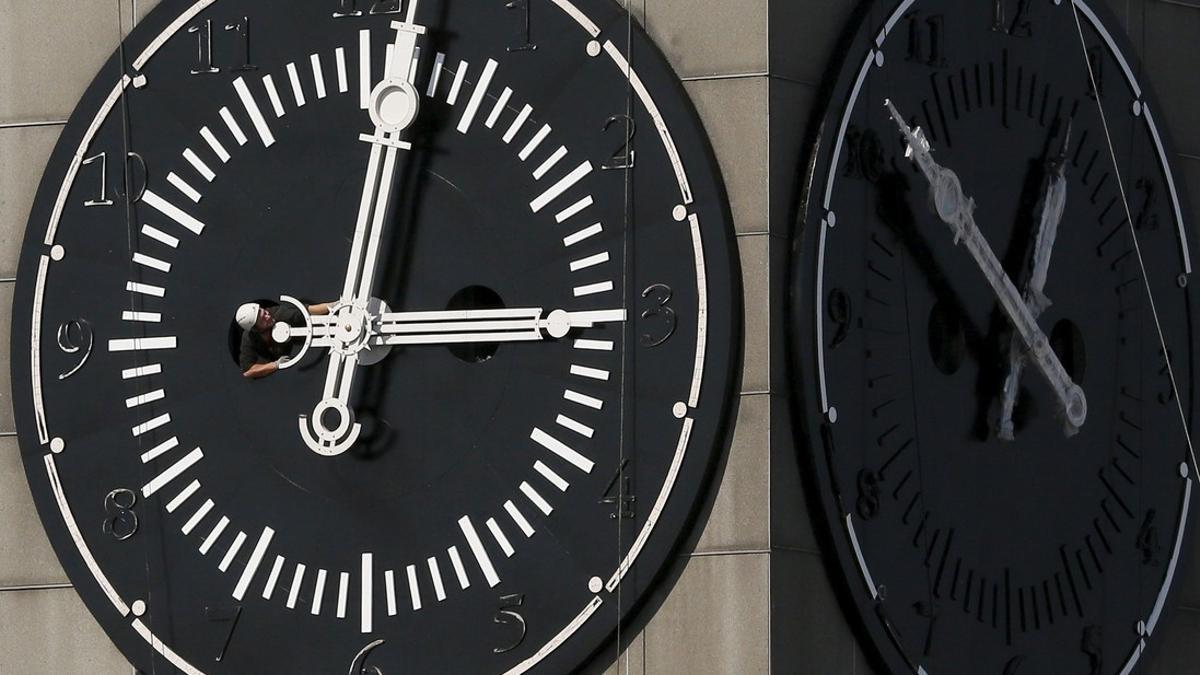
(812,162)
(138,608)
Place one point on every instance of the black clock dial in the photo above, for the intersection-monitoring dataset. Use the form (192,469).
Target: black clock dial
(980,527)
(502,504)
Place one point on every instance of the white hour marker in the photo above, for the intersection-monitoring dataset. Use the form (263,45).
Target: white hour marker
(456,87)
(343,82)
(364,68)
(152,262)
(551,475)
(594,345)
(294,591)
(213,535)
(139,344)
(435,573)
(297,90)
(518,518)
(318,592)
(367,592)
(141,317)
(573,209)
(256,557)
(414,592)
(566,183)
(513,129)
(550,163)
(583,399)
(590,373)
(460,571)
(592,289)
(389,580)
(145,289)
(501,103)
(232,552)
(172,472)
(146,427)
(141,371)
(489,71)
(197,516)
(438,63)
(255,113)
(183,186)
(590,261)
(576,426)
(160,236)
(273,94)
(199,165)
(318,76)
(160,450)
(583,234)
(537,499)
(343,594)
(174,504)
(273,578)
(481,556)
(502,540)
(173,212)
(214,144)
(561,449)
(234,127)
(534,142)
(143,399)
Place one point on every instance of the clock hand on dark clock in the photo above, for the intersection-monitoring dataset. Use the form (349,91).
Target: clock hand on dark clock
(393,108)
(1049,215)
(446,327)
(957,211)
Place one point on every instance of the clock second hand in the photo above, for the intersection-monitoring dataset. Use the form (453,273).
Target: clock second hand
(1049,215)
(393,108)
(956,210)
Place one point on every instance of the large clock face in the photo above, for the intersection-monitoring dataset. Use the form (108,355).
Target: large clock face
(997,434)
(486,456)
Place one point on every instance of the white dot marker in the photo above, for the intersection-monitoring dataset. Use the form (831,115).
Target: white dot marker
(832,415)
(1137,108)
(1141,628)
(831,218)
(593,48)
(679,410)
(139,81)
(1184,470)
(57,252)
(57,445)
(879,59)
(679,213)
(595,584)
(139,608)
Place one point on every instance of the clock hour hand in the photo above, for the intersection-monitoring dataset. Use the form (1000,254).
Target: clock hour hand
(393,106)
(1049,215)
(448,327)
(957,211)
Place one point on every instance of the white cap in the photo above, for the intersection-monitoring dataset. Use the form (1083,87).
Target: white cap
(247,315)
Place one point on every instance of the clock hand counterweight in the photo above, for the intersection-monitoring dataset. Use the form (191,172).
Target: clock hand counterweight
(957,211)
(393,107)
(1049,215)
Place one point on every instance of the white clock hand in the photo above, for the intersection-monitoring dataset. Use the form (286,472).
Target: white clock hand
(956,210)
(393,108)
(1050,211)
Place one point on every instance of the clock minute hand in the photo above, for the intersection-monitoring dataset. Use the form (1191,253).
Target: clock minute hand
(957,211)
(465,326)
(393,108)
(1049,214)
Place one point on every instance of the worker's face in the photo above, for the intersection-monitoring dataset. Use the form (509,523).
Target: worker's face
(265,321)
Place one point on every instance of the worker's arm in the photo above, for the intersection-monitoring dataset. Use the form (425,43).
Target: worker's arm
(260,370)
(320,310)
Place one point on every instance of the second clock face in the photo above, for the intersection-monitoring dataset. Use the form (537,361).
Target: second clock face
(508,503)
(978,531)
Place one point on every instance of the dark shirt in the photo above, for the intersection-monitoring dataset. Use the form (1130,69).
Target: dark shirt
(258,348)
